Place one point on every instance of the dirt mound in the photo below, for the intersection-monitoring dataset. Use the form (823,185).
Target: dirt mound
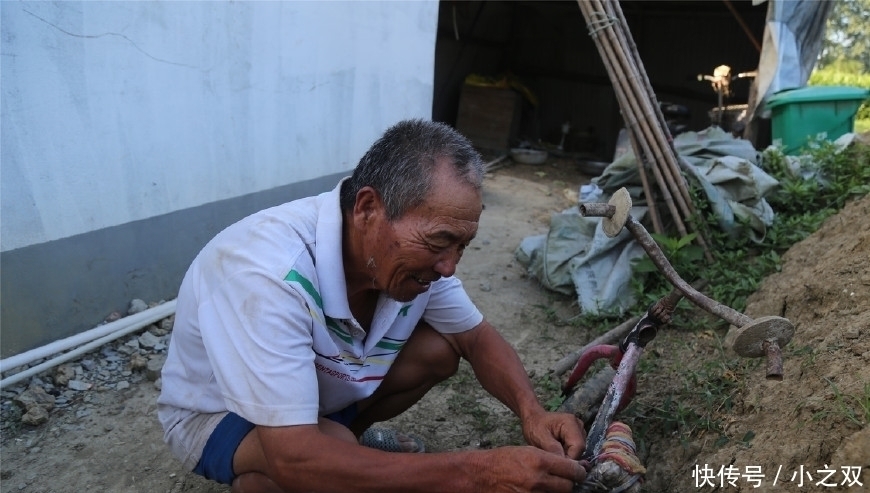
(810,431)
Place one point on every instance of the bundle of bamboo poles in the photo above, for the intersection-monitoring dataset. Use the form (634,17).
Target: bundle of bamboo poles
(650,139)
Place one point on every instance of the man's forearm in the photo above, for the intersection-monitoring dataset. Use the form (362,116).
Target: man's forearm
(501,372)
(304,460)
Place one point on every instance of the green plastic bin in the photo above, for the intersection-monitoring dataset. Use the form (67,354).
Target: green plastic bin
(798,114)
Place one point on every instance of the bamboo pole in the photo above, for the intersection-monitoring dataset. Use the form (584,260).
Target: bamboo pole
(648,111)
(632,108)
(608,28)
(679,161)
(641,153)
(667,140)
(648,193)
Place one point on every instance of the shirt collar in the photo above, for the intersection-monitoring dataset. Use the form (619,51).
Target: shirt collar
(328,256)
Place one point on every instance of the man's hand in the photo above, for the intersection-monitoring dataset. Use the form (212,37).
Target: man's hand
(558,433)
(526,470)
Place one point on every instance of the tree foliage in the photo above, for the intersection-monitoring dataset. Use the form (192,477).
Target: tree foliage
(847,44)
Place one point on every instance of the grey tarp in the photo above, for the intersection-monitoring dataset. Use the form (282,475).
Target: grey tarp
(576,256)
(726,169)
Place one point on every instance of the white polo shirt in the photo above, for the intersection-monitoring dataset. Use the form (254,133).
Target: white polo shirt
(263,327)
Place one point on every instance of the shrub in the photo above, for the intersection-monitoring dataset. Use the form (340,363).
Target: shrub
(843,75)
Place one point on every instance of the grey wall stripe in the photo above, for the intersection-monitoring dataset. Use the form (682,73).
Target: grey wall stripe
(60,288)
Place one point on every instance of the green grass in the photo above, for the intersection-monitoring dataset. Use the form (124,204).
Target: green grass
(700,392)
(855,408)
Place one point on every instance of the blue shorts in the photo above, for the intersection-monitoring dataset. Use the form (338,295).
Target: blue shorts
(216,462)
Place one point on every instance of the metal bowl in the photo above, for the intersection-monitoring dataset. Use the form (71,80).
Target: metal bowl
(528,156)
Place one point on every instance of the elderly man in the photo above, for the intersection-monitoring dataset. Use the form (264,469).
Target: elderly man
(300,326)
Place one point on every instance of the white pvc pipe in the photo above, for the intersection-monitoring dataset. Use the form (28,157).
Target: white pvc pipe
(91,339)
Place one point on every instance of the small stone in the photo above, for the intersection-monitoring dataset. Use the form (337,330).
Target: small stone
(78,385)
(128,350)
(112,317)
(37,381)
(167,323)
(148,340)
(35,397)
(63,374)
(35,416)
(852,333)
(107,351)
(157,331)
(155,366)
(485,287)
(122,385)
(136,306)
(138,362)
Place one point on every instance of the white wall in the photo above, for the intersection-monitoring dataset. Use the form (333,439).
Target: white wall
(114,112)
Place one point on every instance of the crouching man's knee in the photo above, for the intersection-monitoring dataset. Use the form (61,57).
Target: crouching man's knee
(431,353)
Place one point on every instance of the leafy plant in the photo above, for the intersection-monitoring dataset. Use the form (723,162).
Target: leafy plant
(549,392)
(681,252)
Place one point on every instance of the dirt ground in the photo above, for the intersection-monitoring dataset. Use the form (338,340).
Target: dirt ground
(812,419)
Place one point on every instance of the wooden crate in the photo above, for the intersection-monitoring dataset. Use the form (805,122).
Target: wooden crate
(488,116)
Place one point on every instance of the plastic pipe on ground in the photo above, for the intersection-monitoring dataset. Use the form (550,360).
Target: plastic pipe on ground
(91,339)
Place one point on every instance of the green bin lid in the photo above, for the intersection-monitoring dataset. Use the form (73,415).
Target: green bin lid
(818,93)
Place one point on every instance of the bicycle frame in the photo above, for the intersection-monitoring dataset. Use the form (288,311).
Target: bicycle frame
(625,356)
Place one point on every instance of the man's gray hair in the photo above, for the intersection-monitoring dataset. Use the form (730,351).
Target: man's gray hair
(400,165)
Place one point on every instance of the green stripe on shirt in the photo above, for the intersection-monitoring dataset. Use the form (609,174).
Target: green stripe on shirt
(393,346)
(308,286)
(338,330)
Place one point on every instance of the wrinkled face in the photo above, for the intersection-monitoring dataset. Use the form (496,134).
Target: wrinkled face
(427,242)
